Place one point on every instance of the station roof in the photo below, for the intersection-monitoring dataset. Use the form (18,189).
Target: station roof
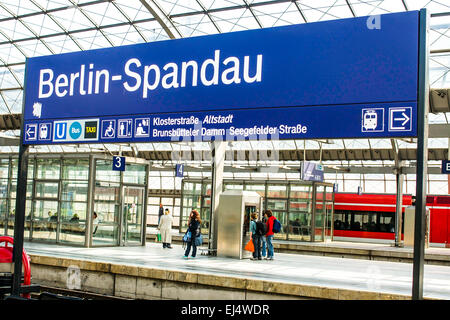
(30,28)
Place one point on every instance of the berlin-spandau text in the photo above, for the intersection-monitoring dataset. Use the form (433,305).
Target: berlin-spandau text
(88,80)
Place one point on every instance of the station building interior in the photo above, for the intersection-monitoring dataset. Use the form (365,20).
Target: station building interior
(67,183)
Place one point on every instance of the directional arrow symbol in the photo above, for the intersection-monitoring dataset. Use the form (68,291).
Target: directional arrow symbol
(406,118)
(29,132)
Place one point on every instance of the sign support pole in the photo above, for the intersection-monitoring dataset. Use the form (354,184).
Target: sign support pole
(19,221)
(21,198)
(422,159)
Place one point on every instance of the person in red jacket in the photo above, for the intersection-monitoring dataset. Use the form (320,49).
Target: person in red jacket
(269,234)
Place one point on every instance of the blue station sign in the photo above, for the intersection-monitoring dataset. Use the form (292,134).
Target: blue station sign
(310,171)
(445,169)
(332,79)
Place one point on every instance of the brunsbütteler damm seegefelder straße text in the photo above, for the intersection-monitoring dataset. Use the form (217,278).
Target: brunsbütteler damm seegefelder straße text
(200,130)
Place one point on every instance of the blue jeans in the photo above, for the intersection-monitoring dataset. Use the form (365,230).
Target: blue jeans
(257,243)
(264,250)
(269,246)
(188,248)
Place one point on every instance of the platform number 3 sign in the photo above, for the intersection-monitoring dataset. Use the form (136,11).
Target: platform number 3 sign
(118,163)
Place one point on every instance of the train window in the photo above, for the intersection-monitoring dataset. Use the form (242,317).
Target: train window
(364,221)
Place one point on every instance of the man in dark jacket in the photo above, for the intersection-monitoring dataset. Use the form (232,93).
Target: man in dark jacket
(160,213)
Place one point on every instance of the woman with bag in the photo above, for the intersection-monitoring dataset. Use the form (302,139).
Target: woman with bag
(165,227)
(256,237)
(194,228)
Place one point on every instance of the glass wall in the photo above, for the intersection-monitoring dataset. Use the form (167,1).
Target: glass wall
(191,199)
(74,199)
(105,229)
(291,203)
(300,212)
(58,201)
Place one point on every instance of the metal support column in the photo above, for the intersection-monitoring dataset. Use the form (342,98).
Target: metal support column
(217,164)
(399,178)
(90,203)
(422,157)
(19,222)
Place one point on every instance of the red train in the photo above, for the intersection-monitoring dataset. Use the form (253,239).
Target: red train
(371,217)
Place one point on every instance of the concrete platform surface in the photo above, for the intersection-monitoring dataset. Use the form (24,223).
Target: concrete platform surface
(329,272)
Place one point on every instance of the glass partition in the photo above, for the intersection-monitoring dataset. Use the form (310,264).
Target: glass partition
(57,200)
(277,202)
(133,205)
(105,230)
(290,202)
(192,199)
(300,212)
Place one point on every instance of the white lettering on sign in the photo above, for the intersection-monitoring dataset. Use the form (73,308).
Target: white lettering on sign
(147,78)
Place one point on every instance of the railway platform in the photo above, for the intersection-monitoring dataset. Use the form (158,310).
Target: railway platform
(151,272)
(344,249)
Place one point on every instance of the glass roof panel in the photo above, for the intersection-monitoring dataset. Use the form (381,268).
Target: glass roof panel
(42,25)
(194,25)
(434,6)
(235,20)
(440,33)
(374,7)
(72,19)
(4,13)
(13,99)
(439,74)
(380,143)
(7,80)
(123,35)
(215,4)
(437,118)
(14,29)
(10,54)
(3,107)
(20,7)
(34,48)
(356,144)
(174,7)
(152,31)
(326,10)
(278,14)
(92,40)
(134,10)
(62,44)
(438,143)
(51,4)
(104,14)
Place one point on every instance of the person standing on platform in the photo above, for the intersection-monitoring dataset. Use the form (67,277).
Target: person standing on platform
(256,234)
(165,227)
(194,223)
(263,237)
(160,213)
(269,234)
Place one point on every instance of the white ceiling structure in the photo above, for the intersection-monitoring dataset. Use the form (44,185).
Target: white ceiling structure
(30,28)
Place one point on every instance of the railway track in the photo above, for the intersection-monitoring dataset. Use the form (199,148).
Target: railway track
(75,293)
